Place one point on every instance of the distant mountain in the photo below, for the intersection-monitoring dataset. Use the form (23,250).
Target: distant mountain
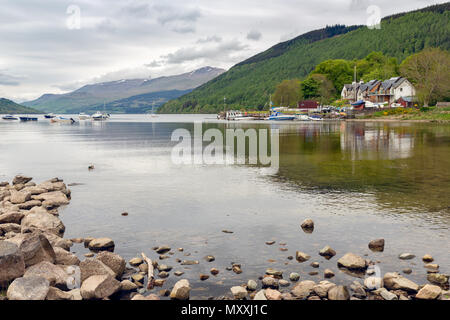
(10,107)
(93,96)
(250,83)
(143,103)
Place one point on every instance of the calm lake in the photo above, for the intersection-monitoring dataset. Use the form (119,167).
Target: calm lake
(357,180)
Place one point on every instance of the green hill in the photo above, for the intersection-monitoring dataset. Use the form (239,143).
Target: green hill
(10,107)
(250,83)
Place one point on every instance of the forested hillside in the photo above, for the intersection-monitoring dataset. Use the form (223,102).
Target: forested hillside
(250,83)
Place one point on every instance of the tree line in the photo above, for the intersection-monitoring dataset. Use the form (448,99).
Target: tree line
(428,71)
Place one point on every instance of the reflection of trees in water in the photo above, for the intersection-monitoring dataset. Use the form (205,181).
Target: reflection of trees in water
(404,166)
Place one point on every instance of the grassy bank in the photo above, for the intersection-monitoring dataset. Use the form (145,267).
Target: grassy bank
(426,114)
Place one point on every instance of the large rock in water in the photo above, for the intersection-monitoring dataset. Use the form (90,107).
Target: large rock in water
(352,261)
(429,292)
(19,179)
(35,248)
(31,288)
(114,261)
(394,281)
(303,289)
(93,267)
(40,219)
(12,264)
(239,292)
(99,287)
(55,275)
(66,258)
(181,290)
(101,244)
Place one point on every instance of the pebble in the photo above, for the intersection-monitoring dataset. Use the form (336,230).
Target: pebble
(125,214)
(178,273)
(159,282)
(163,249)
(163,275)
(308,225)
(251,285)
(315,265)
(284,283)
(204,277)
(214,271)
(301,256)
(210,258)
(407,271)
(135,262)
(270,243)
(275,273)
(294,277)
(406,256)
(189,262)
(427,258)
(237,269)
(89,255)
(328,273)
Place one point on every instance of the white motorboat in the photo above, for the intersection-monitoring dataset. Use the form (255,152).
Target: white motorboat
(10,117)
(83,116)
(98,116)
(303,117)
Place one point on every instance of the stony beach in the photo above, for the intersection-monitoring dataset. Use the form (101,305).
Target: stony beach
(36,262)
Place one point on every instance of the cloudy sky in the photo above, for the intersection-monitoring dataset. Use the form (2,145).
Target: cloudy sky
(55,46)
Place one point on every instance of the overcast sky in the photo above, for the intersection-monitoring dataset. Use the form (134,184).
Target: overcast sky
(55,46)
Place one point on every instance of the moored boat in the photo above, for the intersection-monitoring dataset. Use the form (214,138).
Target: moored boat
(62,120)
(98,116)
(315,118)
(10,117)
(49,116)
(277,116)
(28,119)
(83,116)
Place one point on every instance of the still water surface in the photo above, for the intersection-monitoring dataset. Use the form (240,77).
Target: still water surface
(357,181)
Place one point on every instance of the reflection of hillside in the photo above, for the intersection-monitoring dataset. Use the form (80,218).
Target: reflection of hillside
(402,166)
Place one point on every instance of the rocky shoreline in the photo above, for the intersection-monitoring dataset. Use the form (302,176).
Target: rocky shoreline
(36,263)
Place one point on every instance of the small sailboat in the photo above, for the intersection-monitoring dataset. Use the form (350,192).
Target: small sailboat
(98,116)
(49,116)
(153,115)
(62,120)
(10,117)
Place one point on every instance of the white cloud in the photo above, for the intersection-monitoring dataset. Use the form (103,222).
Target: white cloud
(142,38)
